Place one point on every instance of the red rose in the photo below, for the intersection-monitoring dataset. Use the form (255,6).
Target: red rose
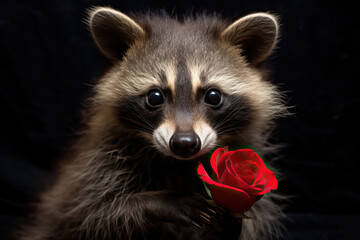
(240,178)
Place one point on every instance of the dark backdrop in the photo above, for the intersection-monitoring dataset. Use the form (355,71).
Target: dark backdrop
(48,62)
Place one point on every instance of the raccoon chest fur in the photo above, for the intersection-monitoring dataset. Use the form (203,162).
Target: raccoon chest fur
(181,178)
(175,89)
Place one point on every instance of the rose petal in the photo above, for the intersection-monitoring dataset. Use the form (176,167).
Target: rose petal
(265,186)
(229,178)
(259,174)
(262,181)
(271,181)
(235,200)
(222,162)
(206,178)
(243,155)
(253,166)
(265,176)
(259,193)
(256,158)
(231,171)
(215,159)
(248,154)
(248,179)
(247,171)
(259,188)
(202,173)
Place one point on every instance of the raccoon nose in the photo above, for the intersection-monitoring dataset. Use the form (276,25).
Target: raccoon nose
(185,144)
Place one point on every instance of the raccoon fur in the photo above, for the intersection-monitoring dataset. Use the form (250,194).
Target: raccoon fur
(175,90)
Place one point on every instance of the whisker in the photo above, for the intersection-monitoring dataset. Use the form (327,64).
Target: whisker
(140,125)
(225,120)
(162,137)
(224,126)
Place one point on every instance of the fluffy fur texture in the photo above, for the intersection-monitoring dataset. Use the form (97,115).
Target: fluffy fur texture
(122,181)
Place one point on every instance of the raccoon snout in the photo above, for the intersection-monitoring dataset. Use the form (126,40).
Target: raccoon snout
(185,144)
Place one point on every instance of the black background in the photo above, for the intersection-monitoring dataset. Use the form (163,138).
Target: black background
(48,62)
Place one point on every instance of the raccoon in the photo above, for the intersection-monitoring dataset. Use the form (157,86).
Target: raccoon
(175,90)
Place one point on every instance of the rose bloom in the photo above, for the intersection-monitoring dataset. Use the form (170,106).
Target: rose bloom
(240,178)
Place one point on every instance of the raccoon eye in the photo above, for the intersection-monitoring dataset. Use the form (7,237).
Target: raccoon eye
(155,98)
(213,97)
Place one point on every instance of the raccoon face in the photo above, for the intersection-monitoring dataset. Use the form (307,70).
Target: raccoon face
(185,86)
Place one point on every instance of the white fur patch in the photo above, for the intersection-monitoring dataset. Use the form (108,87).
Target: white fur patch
(195,77)
(206,134)
(162,135)
(170,77)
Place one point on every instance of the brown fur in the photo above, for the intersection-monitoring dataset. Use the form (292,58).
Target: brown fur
(118,184)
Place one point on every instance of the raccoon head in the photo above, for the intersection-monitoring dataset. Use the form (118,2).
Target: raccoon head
(184,86)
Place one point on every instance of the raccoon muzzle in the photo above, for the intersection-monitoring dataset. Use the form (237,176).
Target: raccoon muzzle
(185,144)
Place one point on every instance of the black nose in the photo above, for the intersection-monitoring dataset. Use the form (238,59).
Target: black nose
(185,144)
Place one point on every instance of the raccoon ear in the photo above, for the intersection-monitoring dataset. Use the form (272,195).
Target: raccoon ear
(255,34)
(113,31)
